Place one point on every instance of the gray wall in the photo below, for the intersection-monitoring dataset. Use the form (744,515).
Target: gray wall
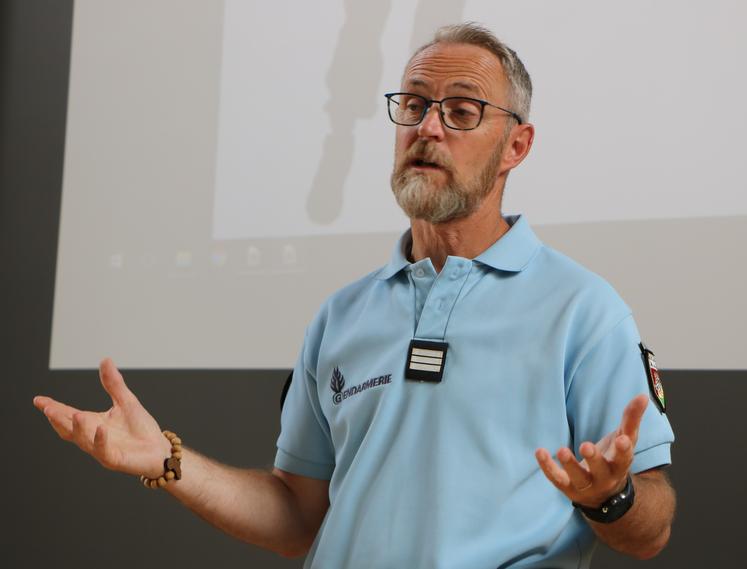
(60,506)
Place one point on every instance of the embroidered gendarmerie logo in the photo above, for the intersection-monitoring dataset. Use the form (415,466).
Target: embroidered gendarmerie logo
(337,384)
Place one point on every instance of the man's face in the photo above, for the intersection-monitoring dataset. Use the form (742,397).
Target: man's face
(442,174)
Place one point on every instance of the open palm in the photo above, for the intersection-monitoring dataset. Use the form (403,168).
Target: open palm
(125,438)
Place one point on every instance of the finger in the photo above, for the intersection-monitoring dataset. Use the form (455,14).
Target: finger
(84,430)
(44,403)
(595,460)
(579,476)
(59,415)
(114,383)
(41,401)
(623,458)
(632,415)
(103,452)
(552,471)
(61,422)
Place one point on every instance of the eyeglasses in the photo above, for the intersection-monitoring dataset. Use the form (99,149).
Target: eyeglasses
(458,113)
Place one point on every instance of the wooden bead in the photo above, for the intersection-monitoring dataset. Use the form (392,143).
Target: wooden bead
(172,464)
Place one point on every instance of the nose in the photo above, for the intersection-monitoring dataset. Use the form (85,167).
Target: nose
(431,126)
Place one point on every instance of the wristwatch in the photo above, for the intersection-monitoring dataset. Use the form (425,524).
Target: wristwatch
(613,508)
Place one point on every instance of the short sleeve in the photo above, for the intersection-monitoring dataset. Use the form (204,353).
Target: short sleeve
(605,381)
(304,446)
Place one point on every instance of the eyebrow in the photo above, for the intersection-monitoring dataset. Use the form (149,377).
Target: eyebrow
(417,82)
(466,86)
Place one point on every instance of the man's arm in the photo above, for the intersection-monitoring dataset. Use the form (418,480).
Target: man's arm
(275,510)
(642,531)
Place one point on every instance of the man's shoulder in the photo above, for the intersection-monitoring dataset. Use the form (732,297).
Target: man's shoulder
(569,277)
(355,290)
(348,299)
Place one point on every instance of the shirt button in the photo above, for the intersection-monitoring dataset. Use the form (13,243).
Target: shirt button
(419,272)
(455,274)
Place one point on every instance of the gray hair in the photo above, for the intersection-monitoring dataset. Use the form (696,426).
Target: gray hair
(472,33)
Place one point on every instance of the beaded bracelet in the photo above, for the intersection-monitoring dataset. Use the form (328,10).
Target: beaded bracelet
(172,466)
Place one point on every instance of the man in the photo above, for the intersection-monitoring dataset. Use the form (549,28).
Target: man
(415,428)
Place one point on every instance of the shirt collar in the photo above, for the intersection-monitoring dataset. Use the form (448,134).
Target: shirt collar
(398,260)
(511,252)
(515,248)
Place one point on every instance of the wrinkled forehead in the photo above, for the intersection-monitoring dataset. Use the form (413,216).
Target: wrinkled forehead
(447,69)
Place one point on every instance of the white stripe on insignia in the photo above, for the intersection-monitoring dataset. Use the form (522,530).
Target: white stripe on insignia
(425,360)
(430,353)
(425,367)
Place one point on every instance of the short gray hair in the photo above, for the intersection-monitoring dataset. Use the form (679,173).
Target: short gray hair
(472,33)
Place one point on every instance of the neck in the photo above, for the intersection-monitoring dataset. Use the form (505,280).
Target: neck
(465,237)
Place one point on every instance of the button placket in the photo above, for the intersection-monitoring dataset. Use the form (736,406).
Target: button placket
(444,293)
(422,276)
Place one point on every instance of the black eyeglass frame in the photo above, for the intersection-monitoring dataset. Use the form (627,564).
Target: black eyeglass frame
(429,103)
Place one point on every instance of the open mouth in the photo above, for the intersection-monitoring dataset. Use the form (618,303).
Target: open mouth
(424,164)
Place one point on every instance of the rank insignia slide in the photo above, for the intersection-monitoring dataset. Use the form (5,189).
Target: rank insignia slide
(426,360)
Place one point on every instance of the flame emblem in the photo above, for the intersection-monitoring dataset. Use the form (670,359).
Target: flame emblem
(337,384)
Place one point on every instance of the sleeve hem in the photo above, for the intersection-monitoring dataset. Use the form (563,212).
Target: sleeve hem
(294,465)
(651,457)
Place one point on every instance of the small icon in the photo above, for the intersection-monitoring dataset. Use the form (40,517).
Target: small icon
(253,256)
(116,261)
(290,257)
(219,257)
(148,260)
(184,259)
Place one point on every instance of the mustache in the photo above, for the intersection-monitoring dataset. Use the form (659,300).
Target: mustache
(425,151)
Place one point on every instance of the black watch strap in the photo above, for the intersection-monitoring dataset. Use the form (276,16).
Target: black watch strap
(613,508)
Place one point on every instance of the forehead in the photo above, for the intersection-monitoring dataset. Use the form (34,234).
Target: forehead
(469,69)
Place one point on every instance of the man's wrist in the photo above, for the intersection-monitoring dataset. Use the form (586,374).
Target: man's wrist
(171,465)
(614,507)
(162,452)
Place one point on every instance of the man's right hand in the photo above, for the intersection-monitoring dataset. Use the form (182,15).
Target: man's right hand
(125,438)
(275,510)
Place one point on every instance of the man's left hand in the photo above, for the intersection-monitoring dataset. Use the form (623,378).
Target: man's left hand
(603,472)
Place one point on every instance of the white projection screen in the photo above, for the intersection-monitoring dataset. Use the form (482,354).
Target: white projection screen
(227,167)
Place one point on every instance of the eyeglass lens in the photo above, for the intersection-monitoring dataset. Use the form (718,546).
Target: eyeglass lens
(459,113)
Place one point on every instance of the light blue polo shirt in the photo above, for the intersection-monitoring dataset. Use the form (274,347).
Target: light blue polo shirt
(542,353)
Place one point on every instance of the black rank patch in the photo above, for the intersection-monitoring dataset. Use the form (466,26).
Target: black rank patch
(654,380)
(426,360)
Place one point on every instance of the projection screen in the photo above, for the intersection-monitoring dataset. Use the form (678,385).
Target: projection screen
(227,167)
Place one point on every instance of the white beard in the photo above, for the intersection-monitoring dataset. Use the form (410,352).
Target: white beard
(419,197)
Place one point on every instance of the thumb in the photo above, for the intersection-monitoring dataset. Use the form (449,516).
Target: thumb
(114,383)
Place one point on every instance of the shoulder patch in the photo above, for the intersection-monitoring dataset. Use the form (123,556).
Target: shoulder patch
(654,380)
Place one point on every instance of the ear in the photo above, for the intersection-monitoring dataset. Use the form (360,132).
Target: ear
(517,146)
